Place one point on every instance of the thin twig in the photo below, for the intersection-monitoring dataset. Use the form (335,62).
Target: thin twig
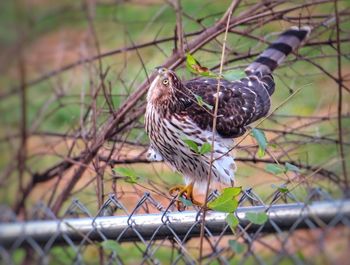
(226,18)
(179,27)
(340,100)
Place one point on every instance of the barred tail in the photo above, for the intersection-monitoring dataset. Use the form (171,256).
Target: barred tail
(273,56)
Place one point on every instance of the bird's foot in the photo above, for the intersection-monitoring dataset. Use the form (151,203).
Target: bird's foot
(186,192)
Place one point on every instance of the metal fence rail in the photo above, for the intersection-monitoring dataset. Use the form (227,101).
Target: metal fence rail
(148,230)
(181,224)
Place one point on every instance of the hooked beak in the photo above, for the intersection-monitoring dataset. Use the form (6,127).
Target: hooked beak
(161,69)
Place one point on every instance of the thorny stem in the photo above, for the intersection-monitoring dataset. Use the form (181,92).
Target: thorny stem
(234,4)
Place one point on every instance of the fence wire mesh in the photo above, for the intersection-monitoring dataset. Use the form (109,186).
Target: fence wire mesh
(312,231)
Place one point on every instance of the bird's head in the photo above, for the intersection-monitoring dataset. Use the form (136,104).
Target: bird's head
(163,88)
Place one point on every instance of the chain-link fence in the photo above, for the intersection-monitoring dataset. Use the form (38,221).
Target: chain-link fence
(297,232)
(73,78)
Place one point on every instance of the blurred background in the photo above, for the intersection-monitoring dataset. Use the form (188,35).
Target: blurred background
(73,78)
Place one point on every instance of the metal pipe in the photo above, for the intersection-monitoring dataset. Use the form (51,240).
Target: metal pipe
(153,226)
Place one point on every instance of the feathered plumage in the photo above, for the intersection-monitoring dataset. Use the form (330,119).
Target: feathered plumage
(175,115)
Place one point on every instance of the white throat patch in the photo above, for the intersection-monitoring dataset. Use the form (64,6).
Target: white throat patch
(151,88)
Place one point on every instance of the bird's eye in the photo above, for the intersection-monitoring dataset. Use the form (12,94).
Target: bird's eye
(166,82)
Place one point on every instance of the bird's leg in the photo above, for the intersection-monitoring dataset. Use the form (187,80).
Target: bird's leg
(187,191)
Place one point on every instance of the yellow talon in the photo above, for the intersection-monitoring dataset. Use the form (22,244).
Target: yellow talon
(185,191)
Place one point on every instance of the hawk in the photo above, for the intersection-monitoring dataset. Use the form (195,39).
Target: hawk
(174,114)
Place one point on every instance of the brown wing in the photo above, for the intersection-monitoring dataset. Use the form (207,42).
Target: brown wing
(241,103)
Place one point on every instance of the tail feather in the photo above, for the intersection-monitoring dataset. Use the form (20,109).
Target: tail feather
(274,55)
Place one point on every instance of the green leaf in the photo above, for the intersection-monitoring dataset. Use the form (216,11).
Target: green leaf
(291,167)
(192,145)
(190,59)
(232,191)
(202,103)
(282,188)
(111,245)
(195,67)
(257,218)
(192,64)
(131,180)
(123,171)
(273,145)
(130,176)
(274,169)
(237,247)
(232,220)
(226,206)
(205,148)
(199,100)
(185,201)
(207,73)
(210,107)
(261,152)
(226,202)
(260,137)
